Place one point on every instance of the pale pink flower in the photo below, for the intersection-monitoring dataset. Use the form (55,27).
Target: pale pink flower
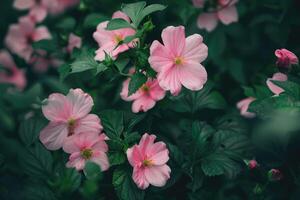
(109,41)
(86,147)
(243,106)
(286,58)
(177,61)
(226,12)
(273,87)
(68,115)
(74,42)
(41,62)
(14,75)
(39,9)
(20,37)
(199,3)
(144,98)
(149,162)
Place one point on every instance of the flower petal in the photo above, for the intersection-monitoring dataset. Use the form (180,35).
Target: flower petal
(174,39)
(228,15)
(90,123)
(101,159)
(159,153)
(195,49)
(160,57)
(139,178)
(192,76)
(23,4)
(169,80)
(134,156)
(157,175)
(53,135)
(208,21)
(41,33)
(143,103)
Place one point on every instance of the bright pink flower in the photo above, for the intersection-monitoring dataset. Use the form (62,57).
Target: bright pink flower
(21,36)
(243,106)
(177,61)
(252,164)
(276,77)
(74,42)
(15,75)
(226,12)
(286,58)
(108,41)
(86,147)
(68,115)
(148,160)
(145,98)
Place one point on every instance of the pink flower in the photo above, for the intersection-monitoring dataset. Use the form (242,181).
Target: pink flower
(21,36)
(15,75)
(38,9)
(145,98)
(74,42)
(177,61)
(276,77)
(252,164)
(85,147)
(286,58)
(226,12)
(68,115)
(198,3)
(41,62)
(243,106)
(109,40)
(148,160)
(275,175)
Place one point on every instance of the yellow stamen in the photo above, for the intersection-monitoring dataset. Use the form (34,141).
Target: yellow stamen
(118,38)
(86,153)
(147,163)
(71,126)
(178,60)
(145,88)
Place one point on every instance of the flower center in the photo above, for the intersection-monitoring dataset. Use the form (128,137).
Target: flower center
(178,60)
(145,88)
(86,153)
(118,38)
(147,163)
(71,126)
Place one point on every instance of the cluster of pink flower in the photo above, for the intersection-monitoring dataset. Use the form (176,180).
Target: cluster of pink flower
(176,61)
(79,133)
(23,34)
(225,11)
(285,59)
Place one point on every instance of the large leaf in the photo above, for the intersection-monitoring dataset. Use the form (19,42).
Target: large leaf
(124,185)
(37,192)
(36,161)
(30,129)
(92,170)
(290,88)
(112,122)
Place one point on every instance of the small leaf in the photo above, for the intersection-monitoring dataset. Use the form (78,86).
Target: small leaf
(116,158)
(121,63)
(112,122)
(133,10)
(118,23)
(136,81)
(64,70)
(150,9)
(290,88)
(92,170)
(47,45)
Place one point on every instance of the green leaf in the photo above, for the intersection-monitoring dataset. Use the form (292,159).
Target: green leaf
(132,138)
(116,158)
(67,179)
(150,9)
(133,10)
(125,187)
(121,63)
(290,88)
(36,161)
(38,192)
(118,23)
(30,129)
(64,70)
(197,179)
(92,171)
(47,45)
(55,85)
(93,19)
(136,81)
(67,24)
(217,44)
(100,68)
(112,122)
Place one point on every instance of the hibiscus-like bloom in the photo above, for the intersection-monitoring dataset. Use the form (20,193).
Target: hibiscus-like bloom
(38,9)
(68,115)
(13,75)
(273,87)
(144,98)
(177,61)
(226,12)
(74,42)
(110,42)
(86,147)
(243,106)
(148,160)
(21,36)
(285,58)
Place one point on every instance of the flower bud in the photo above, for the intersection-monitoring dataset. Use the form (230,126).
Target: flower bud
(275,175)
